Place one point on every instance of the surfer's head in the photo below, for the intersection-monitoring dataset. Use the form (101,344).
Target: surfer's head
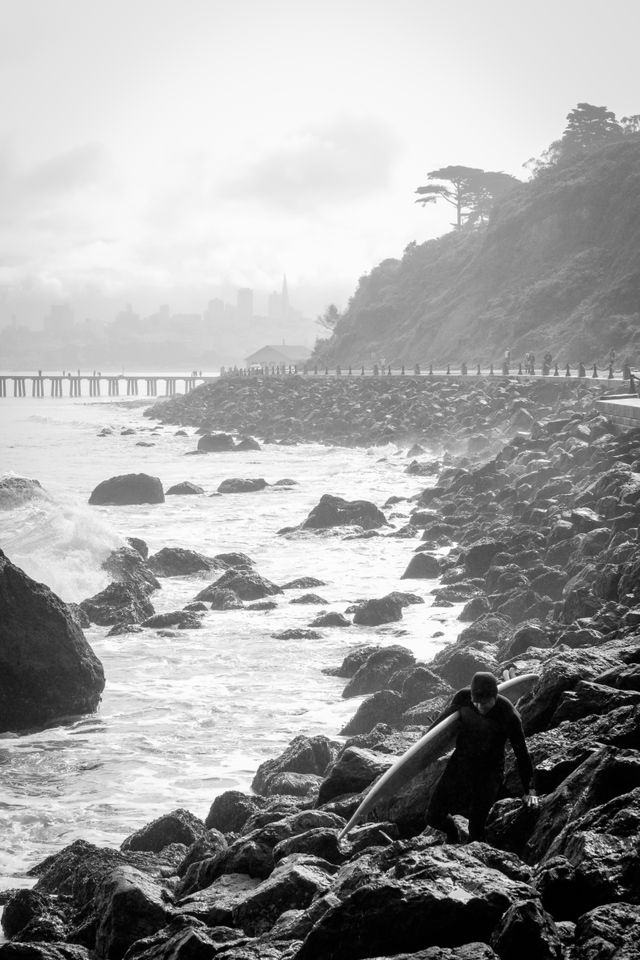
(484,691)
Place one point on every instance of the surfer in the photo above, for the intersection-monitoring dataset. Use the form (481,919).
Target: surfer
(473,776)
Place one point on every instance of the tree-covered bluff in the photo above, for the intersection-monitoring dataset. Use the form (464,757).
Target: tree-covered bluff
(557,268)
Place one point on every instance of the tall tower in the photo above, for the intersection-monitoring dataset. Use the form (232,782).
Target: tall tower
(284,299)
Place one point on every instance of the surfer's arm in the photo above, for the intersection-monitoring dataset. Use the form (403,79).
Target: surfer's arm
(519,745)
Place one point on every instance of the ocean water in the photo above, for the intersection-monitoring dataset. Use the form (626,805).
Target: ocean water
(187,715)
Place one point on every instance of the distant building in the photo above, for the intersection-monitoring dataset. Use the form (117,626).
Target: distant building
(279,306)
(287,354)
(215,310)
(245,303)
(60,320)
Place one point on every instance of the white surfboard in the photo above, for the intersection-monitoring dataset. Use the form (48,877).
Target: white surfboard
(428,748)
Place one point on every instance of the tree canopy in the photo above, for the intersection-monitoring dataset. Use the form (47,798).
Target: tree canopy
(470,190)
(588,127)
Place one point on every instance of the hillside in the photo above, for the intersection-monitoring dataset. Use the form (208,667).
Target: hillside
(556,269)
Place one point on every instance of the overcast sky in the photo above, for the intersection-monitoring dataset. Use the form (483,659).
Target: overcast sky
(154,150)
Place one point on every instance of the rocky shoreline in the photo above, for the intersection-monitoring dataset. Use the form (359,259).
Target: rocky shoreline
(533,525)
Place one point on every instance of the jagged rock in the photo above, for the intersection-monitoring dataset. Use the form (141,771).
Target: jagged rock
(353,661)
(239,561)
(128,489)
(215,442)
(242,485)
(433,895)
(378,668)
(179,826)
(47,668)
(303,583)
(335,512)
(248,443)
(297,633)
(422,566)
(293,884)
(372,613)
(421,684)
(303,755)
(231,810)
(127,565)
(179,562)
(182,619)
(527,932)
(139,545)
(384,706)
(317,842)
(223,599)
(245,585)
(118,603)
(609,932)
(478,557)
(587,698)
(331,619)
(309,598)
(186,488)
(194,870)
(352,771)
(214,905)
(474,609)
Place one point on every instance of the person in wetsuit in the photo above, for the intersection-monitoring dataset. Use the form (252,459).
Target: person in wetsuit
(473,776)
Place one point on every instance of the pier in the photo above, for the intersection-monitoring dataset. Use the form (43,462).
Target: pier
(44,385)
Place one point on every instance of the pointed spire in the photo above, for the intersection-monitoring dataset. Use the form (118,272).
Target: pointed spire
(285,295)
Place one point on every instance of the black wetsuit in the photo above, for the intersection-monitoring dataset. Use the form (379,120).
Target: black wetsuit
(473,776)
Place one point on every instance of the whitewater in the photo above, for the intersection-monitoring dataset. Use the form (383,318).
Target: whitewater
(186,715)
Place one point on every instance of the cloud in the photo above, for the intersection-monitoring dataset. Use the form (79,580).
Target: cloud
(70,171)
(349,159)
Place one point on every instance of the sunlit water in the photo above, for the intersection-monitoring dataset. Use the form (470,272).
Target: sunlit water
(189,715)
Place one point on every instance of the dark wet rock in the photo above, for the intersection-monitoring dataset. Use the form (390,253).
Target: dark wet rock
(527,932)
(231,810)
(239,561)
(425,712)
(474,609)
(588,697)
(127,565)
(353,661)
(215,442)
(119,603)
(242,485)
(47,668)
(609,932)
(309,598)
(377,669)
(303,583)
(422,566)
(177,562)
(196,607)
(352,771)
(214,905)
(28,911)
(17,490)
(305,785)
(527,635)
(404,598)
(129,488)
(245,585)
(248,443)
(182,619)
(384,706)
(223,599)
(79,615)
(372,613)
(560,672)
(419,683)
(303,755)
(458,663)
(186,488)
(297,633)
(41,950)
(294,883)
(179,826)
(139,545)
(433,895)
(119,629)
(335,512)
(331,619)
(478,557)
(286,482)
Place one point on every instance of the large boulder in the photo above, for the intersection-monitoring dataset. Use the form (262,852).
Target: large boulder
(303,755)
(242,485)
(118,603)
(47,668)
(335,512)
(245,585)
(372,613)
(179,562)
(126,489)
(179,826)
(377,669)
(353,770)
(215,442)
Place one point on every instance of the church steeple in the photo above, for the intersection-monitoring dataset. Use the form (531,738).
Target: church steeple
(285,297)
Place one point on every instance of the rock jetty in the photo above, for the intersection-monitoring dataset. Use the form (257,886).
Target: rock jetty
(542,554)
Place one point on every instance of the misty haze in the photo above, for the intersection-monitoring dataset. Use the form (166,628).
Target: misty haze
(320,480)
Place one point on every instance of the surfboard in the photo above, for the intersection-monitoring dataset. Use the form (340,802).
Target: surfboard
(428,748)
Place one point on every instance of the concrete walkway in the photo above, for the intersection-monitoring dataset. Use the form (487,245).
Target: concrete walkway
(623,410)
